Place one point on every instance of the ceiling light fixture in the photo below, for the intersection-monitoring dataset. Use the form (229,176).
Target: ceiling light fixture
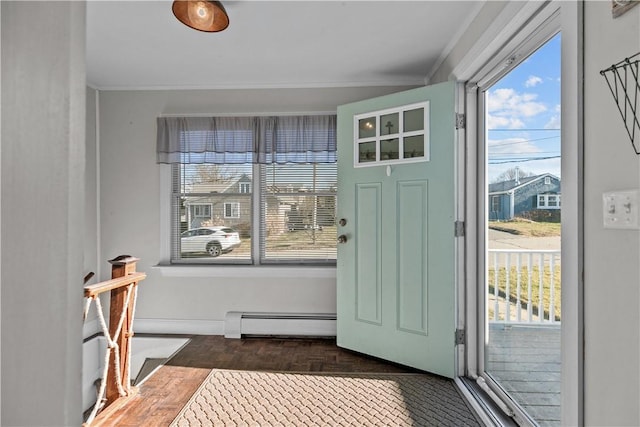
(201,15)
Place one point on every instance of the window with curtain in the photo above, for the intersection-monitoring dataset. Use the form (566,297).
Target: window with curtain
(251,190)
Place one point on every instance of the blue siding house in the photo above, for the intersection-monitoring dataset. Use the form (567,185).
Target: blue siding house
(532,197)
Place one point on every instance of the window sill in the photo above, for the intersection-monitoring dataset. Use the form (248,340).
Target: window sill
(323,272)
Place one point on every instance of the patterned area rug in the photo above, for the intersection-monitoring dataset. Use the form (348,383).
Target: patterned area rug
(249,398)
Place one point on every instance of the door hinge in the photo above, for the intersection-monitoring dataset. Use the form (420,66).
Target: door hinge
(460,337)
(461,121)
(459,228)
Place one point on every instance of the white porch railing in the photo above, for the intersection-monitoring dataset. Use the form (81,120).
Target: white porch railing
(523,286)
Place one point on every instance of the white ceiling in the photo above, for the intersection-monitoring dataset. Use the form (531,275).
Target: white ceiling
(271,44)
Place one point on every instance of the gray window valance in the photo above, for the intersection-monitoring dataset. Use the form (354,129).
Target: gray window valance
(235,140)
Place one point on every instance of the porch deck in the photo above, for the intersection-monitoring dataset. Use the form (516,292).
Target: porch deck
(525,359)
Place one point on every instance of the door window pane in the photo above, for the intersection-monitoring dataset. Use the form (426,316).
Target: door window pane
(414,146)
(389,124)
(390,149)
(367,152)
(414,120)
(367,127)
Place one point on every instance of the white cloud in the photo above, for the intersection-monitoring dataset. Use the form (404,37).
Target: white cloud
(533,81)
(506,108)
(553,123)
(497,122)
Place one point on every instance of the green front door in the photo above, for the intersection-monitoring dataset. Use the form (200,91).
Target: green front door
(396,200)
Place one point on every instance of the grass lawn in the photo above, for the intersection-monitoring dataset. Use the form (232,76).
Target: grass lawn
(295,240)
(304,239)
(527,228)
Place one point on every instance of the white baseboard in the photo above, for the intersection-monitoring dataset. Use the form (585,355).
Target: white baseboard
(177,326)
(293,324)
(237,324)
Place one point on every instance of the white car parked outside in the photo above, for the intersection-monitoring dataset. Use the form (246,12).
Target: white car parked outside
(212,240)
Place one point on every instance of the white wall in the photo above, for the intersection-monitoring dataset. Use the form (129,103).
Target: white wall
(131,209)
(91,190)
(43,106)
(91,218)
(612,257)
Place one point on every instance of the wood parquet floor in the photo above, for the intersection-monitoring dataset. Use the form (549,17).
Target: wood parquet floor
(164,394)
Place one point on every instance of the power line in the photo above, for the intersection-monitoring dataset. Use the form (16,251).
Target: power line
(522,142)
(519,130)
(529,159)
(520,154)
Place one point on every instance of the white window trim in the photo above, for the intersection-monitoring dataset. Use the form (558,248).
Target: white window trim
(194,205)
(544,199)
(165,214)
(493,203)
(243,186)
(232,205)
(246,271)
(400,135)
(547,180)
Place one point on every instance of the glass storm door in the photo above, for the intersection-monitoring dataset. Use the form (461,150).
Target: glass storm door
(396,210)
(522,313)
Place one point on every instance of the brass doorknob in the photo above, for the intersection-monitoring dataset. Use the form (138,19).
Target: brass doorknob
(342,238)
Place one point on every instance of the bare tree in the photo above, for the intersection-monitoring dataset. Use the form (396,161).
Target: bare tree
(215,174)
(511,174)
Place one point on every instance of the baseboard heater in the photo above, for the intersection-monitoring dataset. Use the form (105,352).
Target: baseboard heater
(238,323)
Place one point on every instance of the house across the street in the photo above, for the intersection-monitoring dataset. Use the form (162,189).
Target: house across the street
(533,197)
(229,203)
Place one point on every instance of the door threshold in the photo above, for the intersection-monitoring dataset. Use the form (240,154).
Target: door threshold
(486,409)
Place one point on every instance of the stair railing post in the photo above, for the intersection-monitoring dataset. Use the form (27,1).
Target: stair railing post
(121,266)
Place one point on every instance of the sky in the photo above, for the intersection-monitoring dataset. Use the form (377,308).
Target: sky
(523,115)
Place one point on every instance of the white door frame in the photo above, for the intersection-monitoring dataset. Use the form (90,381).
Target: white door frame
(518,24)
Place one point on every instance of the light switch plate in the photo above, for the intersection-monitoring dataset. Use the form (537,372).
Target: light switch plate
(620,209)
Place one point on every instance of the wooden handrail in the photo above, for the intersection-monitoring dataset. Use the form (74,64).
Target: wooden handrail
(92,291)
(117,379)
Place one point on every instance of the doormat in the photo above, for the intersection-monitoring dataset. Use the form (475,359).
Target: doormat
(252,398)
